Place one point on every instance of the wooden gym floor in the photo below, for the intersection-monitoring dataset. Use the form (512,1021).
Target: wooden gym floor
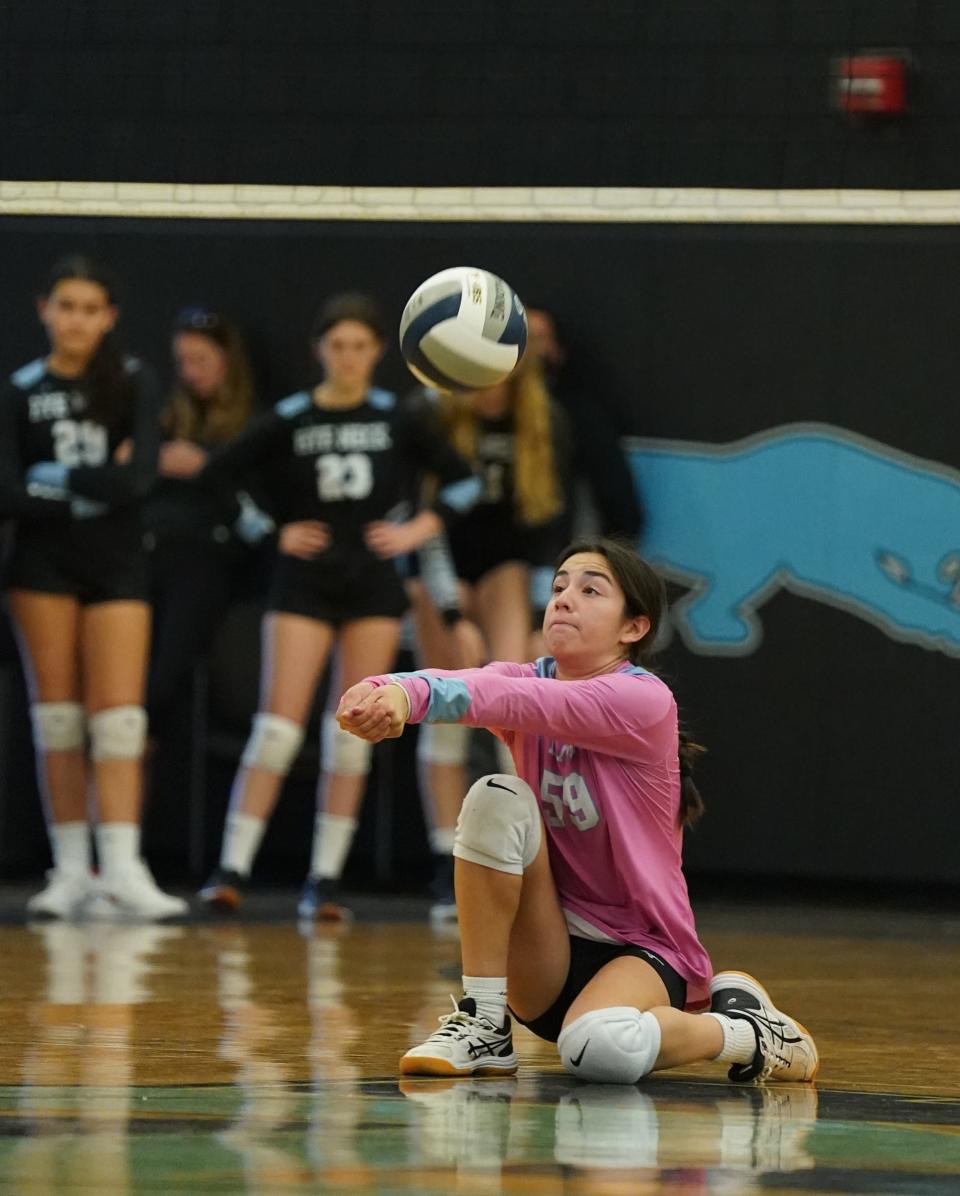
(259,1056)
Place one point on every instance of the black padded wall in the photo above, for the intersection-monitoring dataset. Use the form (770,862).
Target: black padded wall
(731,93)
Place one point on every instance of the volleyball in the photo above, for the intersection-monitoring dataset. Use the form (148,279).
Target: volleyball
(463,329)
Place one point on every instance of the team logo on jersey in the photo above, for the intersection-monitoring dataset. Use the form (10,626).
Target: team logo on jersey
(810,508)
(561,751)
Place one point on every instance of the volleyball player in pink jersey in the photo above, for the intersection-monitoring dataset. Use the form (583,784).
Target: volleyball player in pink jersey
(570,891)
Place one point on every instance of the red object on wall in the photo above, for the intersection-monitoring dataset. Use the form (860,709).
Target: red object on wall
(872,84)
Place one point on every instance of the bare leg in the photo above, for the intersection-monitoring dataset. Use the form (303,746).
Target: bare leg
(503,609)
(513,935)
(685,1037)
(115,638)
(47,627)
(513,926)
(367,647)
(295,651)
(502,600)
(442,785)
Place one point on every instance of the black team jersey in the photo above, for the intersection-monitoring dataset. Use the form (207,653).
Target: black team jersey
(347,468)
(46,418)
(491,532)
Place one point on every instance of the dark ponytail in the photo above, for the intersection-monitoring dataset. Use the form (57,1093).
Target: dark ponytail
(691,803)
(109,386)
(110,389)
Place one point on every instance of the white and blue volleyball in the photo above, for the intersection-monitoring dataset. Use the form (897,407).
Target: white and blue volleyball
(463,329)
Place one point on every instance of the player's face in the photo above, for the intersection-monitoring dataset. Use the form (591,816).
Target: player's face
(77,314)
(584,625)
(201,363)
(349,352)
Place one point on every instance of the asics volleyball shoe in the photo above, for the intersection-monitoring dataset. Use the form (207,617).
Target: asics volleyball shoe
(785,1048)
(466,1044)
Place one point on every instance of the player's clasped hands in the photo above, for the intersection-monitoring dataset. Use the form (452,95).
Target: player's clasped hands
(373,712)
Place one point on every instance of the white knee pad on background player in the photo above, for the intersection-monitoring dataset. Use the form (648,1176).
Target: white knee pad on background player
(499,824)
(343,753)
(273,743)
(118,733)
(443,743)
(58,726)
(619,1045)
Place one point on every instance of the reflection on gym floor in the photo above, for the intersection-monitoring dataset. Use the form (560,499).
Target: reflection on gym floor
(261,1058)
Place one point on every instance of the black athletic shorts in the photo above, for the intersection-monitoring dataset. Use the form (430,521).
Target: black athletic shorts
(337,591)
(587,957)
(478,550)
(93,560)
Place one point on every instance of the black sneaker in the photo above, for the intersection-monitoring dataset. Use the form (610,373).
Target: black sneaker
(320,900)
(224,891)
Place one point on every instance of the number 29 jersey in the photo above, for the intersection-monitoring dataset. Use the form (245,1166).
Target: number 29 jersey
(44,418)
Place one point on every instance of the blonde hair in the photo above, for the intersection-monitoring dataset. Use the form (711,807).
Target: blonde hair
(222,417)
(537,495)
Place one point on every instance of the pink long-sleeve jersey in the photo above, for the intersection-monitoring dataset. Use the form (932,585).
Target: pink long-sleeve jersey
(601,755)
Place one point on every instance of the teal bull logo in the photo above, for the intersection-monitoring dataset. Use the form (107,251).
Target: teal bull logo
(809,508)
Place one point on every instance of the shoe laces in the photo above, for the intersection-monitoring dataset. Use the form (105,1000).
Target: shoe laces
(453,1024)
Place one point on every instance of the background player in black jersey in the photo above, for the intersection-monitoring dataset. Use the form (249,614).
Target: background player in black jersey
(601,497)
(198,540)
(516,440)
(76,583)
(339,460)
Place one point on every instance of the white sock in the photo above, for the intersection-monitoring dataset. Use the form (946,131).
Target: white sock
(490,994)
(441,840)
(332,836)
(739,1039)
(71,847)
(242,834)
(118,846)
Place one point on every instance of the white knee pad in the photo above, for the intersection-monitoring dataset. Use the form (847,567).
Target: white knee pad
(273,743)
(58,726)
(443,743)
(118,733)
(619,1045)
(499,824)
(343,753)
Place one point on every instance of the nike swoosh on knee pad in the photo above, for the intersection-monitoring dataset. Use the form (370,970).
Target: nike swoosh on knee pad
(505,788)
(576,1062)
